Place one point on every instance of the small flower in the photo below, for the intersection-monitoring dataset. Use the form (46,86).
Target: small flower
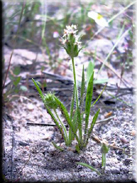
(99,19)
(50,101)
(70,41)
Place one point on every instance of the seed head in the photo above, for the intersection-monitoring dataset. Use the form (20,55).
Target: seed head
(50,101)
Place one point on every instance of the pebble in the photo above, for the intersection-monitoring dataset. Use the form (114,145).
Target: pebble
(133,133)
(30,107)
(123,140)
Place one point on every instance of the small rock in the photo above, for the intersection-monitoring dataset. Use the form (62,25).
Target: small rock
(30,107)
(133,133)
(23,143)
(127,162)
(123,140)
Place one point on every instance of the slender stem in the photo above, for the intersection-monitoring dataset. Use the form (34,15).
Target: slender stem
(77,102)
(22,10)
(75,84)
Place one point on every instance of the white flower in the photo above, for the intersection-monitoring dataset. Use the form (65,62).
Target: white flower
(55,34)
(98,18)
(70,30)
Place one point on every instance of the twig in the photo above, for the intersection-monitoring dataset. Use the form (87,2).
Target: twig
(113,70)
(40,124)
(95,138)
(46,124)
(106,120)
(8,69)
(12,151)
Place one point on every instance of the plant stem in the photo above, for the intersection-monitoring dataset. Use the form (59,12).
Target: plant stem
(77,103)
(75,84)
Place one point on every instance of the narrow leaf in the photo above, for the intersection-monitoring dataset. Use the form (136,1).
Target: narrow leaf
(82,88)
(67,117)
(77,148)
(93,122)
(103,161)
(72,105)
(90,70)
(57,147)
(63,127)
(16,81)
(99,96)
(75,121)
(88,101)
(54,119)
(16,70)
(92,125)
(101,81)
(104,150)
(38,89)
(71,137)
(90,167)
(79,123)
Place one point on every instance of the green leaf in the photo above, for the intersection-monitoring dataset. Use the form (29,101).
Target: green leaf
(88,101)
(99,96)
(38,83)
(103,161)
(101,81)
(67,117)
(90,167)
(71,137)
(11,77)
(44,84)
(16,90)
(104,150)
(90,70)
(57,147)
(16,70)
(79,123)
(16,81)
(38,89)
(93,122)
(64,132)
(82,88)
(77,148)
(74,121)
(64,111)
(72,105)
(54,119)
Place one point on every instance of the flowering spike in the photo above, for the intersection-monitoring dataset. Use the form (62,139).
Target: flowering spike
(71,41)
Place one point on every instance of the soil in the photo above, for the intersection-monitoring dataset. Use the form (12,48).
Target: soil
(28,154)
(28,130)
